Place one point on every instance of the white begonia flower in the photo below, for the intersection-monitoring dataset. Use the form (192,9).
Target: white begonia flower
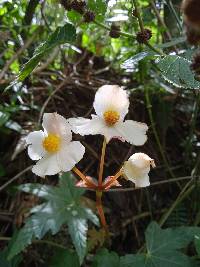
(53,147)
(137,168)
(111,105)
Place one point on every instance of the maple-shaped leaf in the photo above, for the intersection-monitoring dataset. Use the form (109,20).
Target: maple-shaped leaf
(62,205)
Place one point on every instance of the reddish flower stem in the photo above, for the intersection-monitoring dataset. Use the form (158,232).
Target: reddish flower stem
(84,178)
(114,178)
(101,211)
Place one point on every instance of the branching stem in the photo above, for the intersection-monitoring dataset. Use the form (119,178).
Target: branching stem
(84,178)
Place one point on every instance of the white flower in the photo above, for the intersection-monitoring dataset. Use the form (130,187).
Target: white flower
(111,105)
(53,147)
(137,168)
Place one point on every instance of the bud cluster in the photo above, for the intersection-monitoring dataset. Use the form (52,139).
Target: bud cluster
(114,31)
(143,36)
(79,6)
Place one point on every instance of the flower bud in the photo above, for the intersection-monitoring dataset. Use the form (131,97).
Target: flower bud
(66,4)
(137,168)
(143,37)
(78,6)
(114,31)
(89,16)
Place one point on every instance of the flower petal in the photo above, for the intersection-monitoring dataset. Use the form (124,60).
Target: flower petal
(142,181)
(70,154)
(137,168)
(84,126)
(56,124)
(132,131)
(111,97)
(93,126)
(35,148)
(48,165)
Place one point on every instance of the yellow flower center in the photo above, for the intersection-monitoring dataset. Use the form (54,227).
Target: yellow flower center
(51,143)
(111,117)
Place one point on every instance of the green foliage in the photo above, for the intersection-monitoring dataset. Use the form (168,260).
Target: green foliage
(130,63)
(106,258)
(62,35)
(95,58)
(163,249)
(98,6)
(197,244)
(5,120)
(63,258)
(176,70)
(62,206)
(9,263)
(179,217)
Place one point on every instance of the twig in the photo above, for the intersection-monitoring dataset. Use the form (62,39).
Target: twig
(183,194)
(48,62)
(108,29)
(173,180)
(17,54)
(160,19)
(51,243)
(138,11)
(15,178)
(149,106)
(49,98)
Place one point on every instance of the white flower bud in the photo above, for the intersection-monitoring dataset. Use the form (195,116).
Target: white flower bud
(137,168)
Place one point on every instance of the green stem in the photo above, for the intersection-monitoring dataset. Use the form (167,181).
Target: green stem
(183,194)
(47,242)
(193,124)
(155,49)
(108,28)
(170,5)
(173,180)
(149,108)
(138,14)
(125,34)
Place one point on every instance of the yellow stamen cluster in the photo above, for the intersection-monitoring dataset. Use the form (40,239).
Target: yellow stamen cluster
(51,143)
(111,117)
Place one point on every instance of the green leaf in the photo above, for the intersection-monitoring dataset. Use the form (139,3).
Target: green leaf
(175,259)
(98,6)
(163,248)
(170,238)
(74,16)
(173,42)
(62,35)
(197,244)
(78,231)
(130,63)
(47,217)
(106,258)
(176,70)
(62,206)
(134,260)
(6,263)
(4,117)
(63,258)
